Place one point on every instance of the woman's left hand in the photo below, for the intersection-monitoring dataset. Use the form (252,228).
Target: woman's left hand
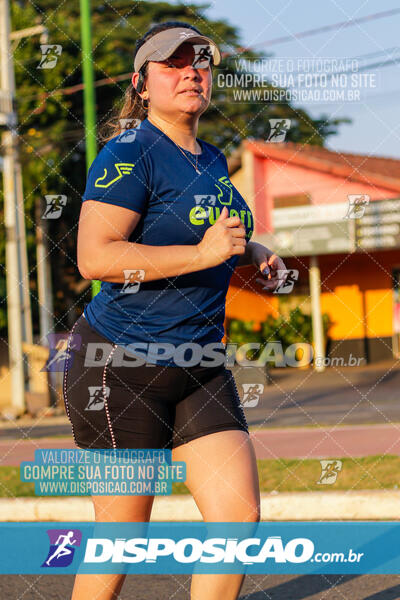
(271,266)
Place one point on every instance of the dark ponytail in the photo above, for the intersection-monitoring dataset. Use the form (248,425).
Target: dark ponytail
(132,107)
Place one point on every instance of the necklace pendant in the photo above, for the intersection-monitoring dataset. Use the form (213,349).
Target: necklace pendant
(198,172)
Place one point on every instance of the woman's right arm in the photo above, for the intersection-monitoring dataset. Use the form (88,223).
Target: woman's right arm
(104,251)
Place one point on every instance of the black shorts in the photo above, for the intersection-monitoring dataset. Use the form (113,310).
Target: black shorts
(144,406)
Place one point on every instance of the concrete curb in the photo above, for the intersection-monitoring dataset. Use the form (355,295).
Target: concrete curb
(33,422)
(294,506)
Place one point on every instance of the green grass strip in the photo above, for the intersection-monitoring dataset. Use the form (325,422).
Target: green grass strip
(282,475)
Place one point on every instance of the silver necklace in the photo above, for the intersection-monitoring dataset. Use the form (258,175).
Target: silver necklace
(186,156)
(195,166)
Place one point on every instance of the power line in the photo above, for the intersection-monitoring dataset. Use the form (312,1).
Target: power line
(378,52)
(310,32)
(377,65)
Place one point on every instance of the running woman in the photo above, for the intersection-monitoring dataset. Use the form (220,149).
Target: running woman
(163,228)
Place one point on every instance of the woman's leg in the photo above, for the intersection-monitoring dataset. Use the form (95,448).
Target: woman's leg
(222,477)
(134,415)
(110,509)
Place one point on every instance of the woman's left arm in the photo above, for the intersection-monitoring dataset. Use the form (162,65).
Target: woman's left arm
(271,266)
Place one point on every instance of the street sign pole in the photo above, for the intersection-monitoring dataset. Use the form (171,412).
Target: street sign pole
(89,100)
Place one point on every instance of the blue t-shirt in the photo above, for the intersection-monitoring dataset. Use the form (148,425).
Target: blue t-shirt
(143,170)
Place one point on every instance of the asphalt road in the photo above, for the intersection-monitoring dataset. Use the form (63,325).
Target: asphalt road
(332,413)
(296,397)
(176,587)
(339,395)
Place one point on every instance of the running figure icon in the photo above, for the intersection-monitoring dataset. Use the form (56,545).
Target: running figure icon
(62,549)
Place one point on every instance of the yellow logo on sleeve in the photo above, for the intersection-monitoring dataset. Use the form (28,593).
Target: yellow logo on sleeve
(122,169)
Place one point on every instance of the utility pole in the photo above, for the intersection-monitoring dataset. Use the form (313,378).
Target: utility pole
(27,334)
(45,288)
(89,98)
(317,325)
(19,315)
(45,296)
(43,266)
(18,309)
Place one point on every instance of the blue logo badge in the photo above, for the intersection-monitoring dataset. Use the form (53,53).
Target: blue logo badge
(62,547)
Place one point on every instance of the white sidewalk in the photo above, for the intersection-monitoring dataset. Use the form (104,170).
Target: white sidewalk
(289,506)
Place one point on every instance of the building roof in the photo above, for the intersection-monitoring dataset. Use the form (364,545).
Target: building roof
(372,170)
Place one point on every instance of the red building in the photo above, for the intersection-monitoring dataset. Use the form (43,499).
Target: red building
(301,197)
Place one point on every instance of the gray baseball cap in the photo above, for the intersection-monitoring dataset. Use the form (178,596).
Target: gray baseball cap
(161,45)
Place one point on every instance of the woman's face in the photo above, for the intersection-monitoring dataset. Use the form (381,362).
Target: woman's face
(175,86)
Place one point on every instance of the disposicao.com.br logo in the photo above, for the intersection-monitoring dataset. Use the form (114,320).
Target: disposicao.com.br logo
(188,547)
(247,551)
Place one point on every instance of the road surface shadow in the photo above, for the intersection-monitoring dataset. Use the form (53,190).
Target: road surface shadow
(177,587)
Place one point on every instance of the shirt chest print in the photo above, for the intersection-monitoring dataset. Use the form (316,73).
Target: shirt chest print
(208,206)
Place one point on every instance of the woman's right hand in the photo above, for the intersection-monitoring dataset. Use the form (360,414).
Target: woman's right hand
(222,240)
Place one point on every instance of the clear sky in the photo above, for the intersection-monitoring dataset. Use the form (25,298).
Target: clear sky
(375,128)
